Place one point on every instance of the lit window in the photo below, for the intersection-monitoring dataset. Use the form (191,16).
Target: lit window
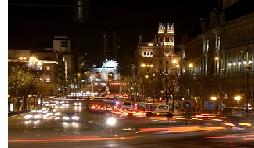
(207,45)
(47,79)
(218,43)
(147,53)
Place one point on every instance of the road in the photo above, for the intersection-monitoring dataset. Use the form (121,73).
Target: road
(89,131)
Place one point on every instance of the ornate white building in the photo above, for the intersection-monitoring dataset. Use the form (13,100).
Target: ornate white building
(157,61)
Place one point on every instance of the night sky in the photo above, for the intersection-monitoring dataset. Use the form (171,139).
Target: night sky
(33,23)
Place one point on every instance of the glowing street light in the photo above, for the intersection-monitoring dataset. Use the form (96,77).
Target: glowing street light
(216,58)
(111,121)
(174,61)
(237,98)
(190,65)
(213,98)
(146,76)
(143,65)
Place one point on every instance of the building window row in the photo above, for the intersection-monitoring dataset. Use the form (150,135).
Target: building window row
(147,54)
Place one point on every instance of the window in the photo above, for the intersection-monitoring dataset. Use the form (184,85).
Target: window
(47,79)
(218,43)
(161,39)
(207,45)
(64,44)
(147,53)
(183,54)
(167,39)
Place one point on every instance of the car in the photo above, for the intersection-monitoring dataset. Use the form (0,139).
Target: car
(70,117)
(127,105)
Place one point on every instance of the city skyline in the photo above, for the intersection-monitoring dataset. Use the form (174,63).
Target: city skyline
(129,19)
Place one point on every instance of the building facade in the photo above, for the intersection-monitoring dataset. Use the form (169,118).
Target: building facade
(53,67)
(217,65)
(157,64)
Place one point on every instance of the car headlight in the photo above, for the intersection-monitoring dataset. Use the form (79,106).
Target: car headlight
(111,121)
(75,118)
(66,118)
(57,114)
(28,116)
(37,116)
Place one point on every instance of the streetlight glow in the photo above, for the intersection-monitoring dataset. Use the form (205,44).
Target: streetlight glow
(213,98)
(146,76)
(143,65)
(190,65)
(237,98)
(174,61)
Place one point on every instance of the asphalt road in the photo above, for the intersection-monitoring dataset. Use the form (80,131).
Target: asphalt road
(89,131)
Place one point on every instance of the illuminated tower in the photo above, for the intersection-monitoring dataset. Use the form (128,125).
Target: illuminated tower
(157,60)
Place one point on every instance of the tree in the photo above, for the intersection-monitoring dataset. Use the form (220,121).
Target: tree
(20,82)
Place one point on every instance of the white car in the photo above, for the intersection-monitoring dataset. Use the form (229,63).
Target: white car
(70,117)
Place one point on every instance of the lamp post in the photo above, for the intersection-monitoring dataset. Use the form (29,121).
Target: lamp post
(147,66)
(237,98)
(40,99)
(213,98)
(247,67)
(196,103)
(145,85)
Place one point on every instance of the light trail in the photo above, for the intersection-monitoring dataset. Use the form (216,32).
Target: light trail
(69,139)
(180,129)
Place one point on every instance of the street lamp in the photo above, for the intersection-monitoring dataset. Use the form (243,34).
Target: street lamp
(196,100)
(190,65)
(174,61)
(213,98)
(146,77)
(237,98)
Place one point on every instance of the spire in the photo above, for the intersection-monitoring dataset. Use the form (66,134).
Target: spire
(161,28)
(170,28)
